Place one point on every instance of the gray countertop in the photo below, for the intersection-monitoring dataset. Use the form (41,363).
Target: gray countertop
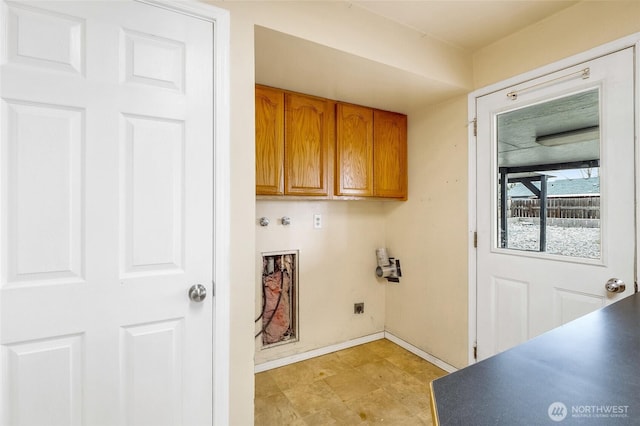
(584,372)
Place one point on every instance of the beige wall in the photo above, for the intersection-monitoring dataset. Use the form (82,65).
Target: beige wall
(242,250)
(428,233)
(355,31)
(429,308)
(573,30)
(336,269)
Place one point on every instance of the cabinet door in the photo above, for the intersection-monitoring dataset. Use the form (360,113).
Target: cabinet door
(308,122)
(390,154)
(269,140)
(354,150)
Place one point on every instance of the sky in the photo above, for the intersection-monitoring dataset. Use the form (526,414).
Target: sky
(571,174)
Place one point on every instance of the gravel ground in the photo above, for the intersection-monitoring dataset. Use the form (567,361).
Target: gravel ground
(576,242)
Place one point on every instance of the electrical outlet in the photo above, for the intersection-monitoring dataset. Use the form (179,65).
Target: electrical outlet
(317,221)
(358,308)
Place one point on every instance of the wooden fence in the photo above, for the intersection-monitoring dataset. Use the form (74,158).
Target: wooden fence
(567,208)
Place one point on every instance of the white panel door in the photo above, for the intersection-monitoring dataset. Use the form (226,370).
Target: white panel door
(106,198)
(574,130)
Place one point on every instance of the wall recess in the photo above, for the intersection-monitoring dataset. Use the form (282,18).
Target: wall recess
(279,316)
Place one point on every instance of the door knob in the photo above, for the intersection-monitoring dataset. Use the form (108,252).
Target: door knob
(615,285)
(197,292)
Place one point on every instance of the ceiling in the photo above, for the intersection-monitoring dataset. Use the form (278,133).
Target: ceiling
(469,25)
(334,74)
(561,130)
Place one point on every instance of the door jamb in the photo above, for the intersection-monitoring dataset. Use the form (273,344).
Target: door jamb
(602,50)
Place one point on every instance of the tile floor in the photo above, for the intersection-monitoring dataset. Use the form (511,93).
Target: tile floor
(378,382)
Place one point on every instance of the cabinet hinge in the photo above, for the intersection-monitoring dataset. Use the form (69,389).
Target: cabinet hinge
(475,239)
(475,127)
(475,350)
(213,288)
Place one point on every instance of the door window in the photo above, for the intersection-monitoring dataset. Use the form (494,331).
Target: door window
(548,176)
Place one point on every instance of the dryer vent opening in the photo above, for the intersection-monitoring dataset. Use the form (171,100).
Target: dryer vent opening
(279,317)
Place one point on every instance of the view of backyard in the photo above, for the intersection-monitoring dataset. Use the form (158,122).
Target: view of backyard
(573,218)
(564,240)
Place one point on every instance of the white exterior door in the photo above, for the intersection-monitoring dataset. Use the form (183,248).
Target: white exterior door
(578,120)
(106,215)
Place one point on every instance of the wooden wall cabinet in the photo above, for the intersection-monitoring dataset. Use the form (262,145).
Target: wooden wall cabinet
(269,141)
(371,152)
(295,140)
(309,124)
(354,150)
(390,155)
(293,135)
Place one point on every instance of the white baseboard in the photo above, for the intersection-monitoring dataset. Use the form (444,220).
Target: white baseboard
(419,352)
(281,362)
(259,368)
